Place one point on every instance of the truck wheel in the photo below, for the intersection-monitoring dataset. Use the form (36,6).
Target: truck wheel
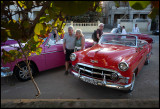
(24,76)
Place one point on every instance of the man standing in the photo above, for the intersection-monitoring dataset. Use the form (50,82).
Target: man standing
(135,29)
(123,30)
(97,33)
(68,46)
(100,31)
(119,27)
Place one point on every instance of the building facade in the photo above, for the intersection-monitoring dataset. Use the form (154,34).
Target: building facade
(111,13)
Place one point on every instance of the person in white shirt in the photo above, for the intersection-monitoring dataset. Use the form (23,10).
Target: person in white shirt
(123,32)
(119,27)
(135,29)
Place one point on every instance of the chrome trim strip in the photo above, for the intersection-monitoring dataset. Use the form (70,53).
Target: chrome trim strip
(104,83)
(5,72)
(94,72)
(51,52)
(95,67)
(100,68)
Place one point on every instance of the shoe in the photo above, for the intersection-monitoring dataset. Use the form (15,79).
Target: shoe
(66,73)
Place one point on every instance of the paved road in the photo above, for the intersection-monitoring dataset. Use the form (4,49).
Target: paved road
(55,85)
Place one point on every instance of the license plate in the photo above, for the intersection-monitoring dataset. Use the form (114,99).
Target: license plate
(91,81)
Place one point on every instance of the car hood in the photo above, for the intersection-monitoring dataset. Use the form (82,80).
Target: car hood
(12,46)
(107,55)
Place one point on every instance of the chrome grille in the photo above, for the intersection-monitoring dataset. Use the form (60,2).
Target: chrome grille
(95,72)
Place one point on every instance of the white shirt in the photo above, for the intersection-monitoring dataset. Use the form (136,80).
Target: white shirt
(124,31)
(135,30)
(118,26)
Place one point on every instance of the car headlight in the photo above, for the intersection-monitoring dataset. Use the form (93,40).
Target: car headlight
(73,56)
(123,66)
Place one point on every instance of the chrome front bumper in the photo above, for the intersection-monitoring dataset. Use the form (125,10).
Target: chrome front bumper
(102,83)
(5,72)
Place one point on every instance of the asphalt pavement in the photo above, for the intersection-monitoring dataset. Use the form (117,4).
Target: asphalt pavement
(53,84)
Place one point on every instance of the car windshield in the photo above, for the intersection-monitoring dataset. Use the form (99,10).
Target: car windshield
(125,40)
(44,39)
(10,39)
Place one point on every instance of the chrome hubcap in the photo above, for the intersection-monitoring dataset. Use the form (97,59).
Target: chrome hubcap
(24,73)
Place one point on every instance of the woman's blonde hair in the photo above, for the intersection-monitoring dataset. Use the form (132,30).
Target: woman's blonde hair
(79,31)
(100,24)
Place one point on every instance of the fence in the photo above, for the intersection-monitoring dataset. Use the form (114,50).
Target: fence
(143,24)
(85,27)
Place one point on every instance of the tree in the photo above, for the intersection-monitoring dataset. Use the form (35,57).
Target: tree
(32,32)
(93,14)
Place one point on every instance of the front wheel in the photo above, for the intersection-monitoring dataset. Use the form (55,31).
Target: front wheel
(146,62)
(23,73)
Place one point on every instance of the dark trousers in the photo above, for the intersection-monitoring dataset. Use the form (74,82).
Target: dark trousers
(68,53)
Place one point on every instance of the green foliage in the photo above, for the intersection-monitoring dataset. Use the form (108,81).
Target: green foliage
(139,5)
(10,56)
(99,9)
(26,24)
(73,8)
(153,13)
(116,3)
(39,28)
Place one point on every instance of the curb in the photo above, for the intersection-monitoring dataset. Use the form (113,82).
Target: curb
(79,103)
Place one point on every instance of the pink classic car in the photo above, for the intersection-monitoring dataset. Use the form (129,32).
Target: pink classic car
(8,42)
(52,56)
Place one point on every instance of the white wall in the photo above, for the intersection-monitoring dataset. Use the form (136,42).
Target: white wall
(85,27)
(144,25)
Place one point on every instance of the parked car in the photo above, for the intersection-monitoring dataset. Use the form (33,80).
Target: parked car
(155,32)
(114,62)
(139,35)
(8,42)
(52,56)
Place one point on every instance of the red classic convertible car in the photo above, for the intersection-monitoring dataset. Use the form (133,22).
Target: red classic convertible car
(139,35)
(113,62)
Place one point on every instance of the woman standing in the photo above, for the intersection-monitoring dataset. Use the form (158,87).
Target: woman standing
(55,34)
(80,41)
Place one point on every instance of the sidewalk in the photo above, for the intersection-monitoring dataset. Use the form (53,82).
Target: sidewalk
(79,103)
